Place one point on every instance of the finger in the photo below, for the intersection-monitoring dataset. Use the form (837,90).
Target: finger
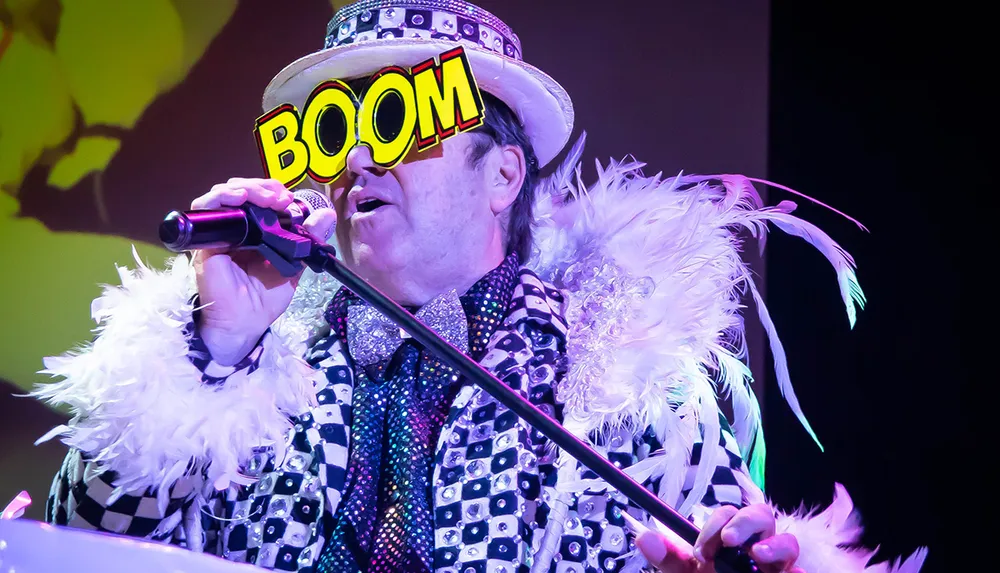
(220,195)
(274,185)
(709,540)
(781,550)
(321,223)
(262,196)
(669,553)
(271,191)
(757,518)
(665,556)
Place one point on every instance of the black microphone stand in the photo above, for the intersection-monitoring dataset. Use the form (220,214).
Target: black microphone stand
(288,251)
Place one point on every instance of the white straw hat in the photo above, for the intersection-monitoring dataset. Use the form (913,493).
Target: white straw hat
(368,35)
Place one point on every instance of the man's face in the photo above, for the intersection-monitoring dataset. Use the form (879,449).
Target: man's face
(419,227)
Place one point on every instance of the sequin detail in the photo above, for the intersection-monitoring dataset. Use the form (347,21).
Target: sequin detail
(400,406)
(371,337)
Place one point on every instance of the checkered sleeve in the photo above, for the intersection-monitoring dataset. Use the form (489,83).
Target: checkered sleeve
(79,498)
(212,372)
(729,480)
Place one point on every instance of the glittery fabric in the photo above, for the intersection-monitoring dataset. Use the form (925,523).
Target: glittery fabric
(500,503)
(306,312)
(269,526)
(607,300)
(372,337)
(440,19)
(386,522)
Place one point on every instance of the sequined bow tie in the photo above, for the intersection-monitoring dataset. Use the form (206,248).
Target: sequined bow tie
(371,337)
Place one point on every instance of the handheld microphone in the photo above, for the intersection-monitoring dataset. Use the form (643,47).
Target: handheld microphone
(232,227)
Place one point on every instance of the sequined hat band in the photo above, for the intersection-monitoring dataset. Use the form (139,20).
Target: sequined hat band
(429,19)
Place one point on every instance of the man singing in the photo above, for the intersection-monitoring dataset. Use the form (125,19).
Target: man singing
(287,424)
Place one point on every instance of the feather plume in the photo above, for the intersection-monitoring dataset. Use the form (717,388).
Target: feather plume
(842,261)
(804,196)
(139,406)
(736,385)
(829,540)
(781,364)
(564,174)
(655,279)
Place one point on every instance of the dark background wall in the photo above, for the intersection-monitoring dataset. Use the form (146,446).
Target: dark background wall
(879,107)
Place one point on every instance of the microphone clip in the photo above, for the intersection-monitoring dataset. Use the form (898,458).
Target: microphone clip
(282,248)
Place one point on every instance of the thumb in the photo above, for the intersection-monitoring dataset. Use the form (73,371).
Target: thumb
(664,555)
(321,223)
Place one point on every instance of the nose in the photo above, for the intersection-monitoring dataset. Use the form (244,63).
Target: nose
(359,162)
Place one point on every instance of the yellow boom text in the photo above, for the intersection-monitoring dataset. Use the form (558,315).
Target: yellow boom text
(431,102)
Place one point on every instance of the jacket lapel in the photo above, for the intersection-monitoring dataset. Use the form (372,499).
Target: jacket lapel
(486,473)
(335,385)
(505,358)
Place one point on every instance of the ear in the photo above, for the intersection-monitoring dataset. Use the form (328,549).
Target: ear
(507,169)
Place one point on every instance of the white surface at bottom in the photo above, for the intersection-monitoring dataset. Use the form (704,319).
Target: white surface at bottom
(28,546)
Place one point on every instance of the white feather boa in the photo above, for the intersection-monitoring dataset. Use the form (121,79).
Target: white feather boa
(654,277)
(139,405)
(828,540)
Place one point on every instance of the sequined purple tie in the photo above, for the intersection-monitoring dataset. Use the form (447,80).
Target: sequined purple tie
(385,521)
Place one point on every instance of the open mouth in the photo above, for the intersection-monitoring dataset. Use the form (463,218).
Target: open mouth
(369,205)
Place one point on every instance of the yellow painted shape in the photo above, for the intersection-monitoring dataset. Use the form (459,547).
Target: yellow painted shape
(91,154)
(49,280)
(37,109)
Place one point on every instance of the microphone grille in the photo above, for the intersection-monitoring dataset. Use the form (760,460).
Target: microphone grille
(313,198)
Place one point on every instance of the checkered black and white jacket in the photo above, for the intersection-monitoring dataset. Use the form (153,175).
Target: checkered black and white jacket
(497,501)
(637,282)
